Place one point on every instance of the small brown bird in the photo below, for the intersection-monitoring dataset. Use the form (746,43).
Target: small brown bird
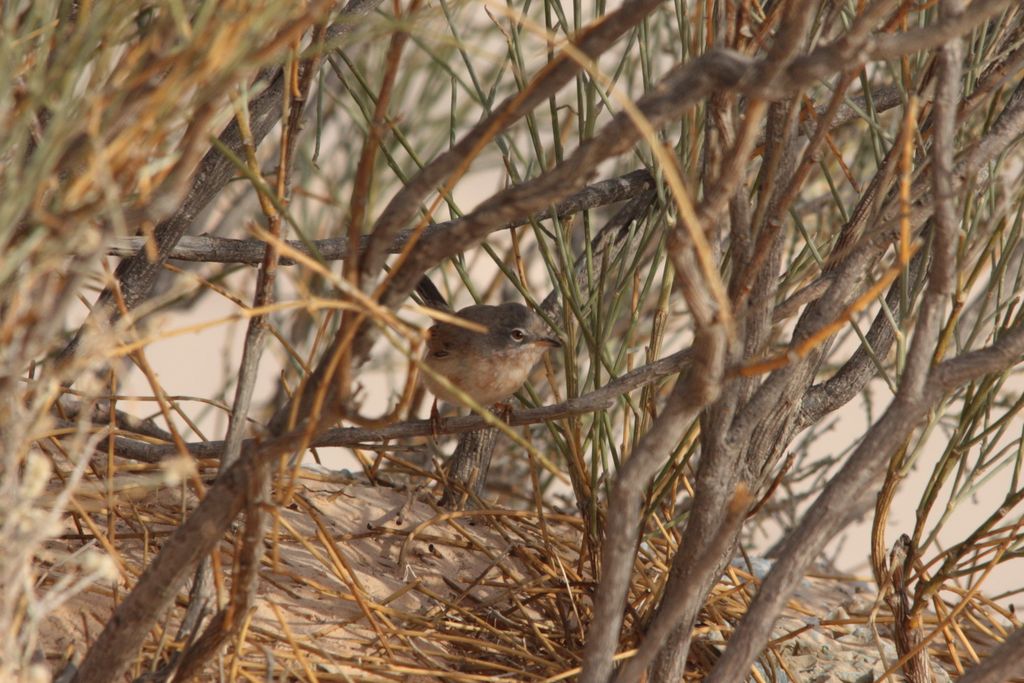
(488,366)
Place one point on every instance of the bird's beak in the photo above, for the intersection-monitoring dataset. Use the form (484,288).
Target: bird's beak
(548,341)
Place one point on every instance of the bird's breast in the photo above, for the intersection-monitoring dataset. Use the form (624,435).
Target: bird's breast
(488,378)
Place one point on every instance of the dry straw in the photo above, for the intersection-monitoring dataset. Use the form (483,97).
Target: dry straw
(781,243)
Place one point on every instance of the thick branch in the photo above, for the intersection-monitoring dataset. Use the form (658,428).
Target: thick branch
(699,387)
(829,513)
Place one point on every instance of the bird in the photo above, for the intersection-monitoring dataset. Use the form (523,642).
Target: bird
(487,366)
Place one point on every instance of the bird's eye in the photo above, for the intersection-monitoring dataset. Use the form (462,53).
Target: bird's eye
(518,335)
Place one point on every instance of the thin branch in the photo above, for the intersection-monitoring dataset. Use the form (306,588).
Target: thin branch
(124,632)
(592,41)
(210,249)
(137,274)
(847,272)
(850,379)
(681,89)
(859,49)
(593,401)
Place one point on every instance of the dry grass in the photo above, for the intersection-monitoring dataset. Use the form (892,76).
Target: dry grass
(743,235)
(365,582)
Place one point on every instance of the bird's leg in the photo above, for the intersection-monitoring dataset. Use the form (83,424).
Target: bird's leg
(502,410)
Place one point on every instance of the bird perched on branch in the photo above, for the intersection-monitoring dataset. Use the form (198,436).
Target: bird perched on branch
(488,359)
